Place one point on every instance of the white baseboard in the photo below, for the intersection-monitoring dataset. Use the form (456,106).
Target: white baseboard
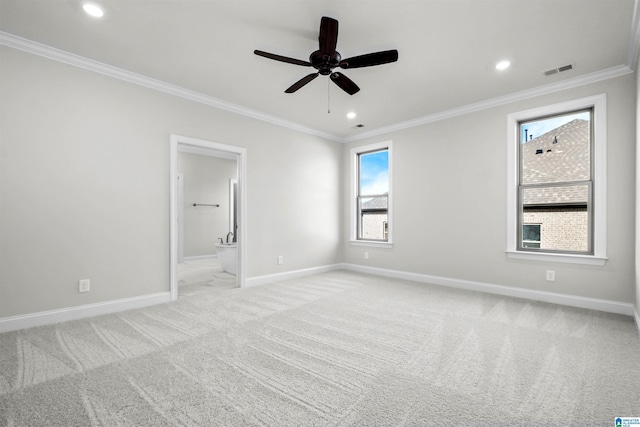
(199,257)
(552,297)
(73,313)
(288,275)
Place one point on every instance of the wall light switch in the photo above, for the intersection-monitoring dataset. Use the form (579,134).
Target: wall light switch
(366,255)
(280,260)
(551,275)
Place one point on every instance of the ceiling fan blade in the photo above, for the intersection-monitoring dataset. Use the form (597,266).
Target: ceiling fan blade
(370,59)
(345,83)
(303,81)
(328,35)
(282,58)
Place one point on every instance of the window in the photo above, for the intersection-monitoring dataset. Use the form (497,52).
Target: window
(557,200)
(531,235)
(371,194)
(556,181)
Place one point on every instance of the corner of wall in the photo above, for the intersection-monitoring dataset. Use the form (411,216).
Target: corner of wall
(637,240)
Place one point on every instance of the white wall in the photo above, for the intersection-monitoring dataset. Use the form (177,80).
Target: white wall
(84,186)
(637,195)
(449,197)
(206,181)
(84,191)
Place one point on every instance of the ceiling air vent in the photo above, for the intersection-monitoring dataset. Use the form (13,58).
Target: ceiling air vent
(558,70)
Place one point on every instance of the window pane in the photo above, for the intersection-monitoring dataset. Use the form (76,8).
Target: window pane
(531,236)
(373,173)
(373,191)
(373,218)
(556,149)
(373,226)
(531,232)
(561,214)
(556,195)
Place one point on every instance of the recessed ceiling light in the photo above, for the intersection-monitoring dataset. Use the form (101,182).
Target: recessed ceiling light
(351,115)
(93,10)
(503,65)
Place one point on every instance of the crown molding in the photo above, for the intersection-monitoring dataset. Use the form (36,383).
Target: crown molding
(632,58)
(609,73)
(49,52)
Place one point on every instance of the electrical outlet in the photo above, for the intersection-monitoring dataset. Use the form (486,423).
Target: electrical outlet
(280,260)
(366,255)
(551,275)
(84,285)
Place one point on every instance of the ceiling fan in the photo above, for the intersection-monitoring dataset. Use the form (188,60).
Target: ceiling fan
(326,58)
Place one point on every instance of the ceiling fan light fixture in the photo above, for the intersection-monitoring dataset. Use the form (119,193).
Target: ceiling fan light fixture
(503,65)
(92,9)
(351,115)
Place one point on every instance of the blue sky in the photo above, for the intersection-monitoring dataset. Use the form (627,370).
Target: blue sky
(374,173)
(540,127)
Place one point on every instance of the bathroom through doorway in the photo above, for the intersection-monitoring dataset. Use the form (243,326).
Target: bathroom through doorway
(207,216)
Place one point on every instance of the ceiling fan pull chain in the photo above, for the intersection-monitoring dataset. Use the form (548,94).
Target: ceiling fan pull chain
(328,97)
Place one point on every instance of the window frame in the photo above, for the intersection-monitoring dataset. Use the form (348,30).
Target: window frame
(355,182)
(599,174)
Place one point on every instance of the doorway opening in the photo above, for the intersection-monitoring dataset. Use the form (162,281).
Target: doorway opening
(229,247)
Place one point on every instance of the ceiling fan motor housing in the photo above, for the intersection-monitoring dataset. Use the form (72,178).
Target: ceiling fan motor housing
(325,63)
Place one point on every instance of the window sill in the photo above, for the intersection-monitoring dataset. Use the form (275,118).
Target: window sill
(371,244)
(565,258)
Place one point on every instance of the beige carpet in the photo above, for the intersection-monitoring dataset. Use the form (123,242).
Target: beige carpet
(336,349)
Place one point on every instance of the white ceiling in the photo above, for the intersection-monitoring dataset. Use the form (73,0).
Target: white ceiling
(447,51)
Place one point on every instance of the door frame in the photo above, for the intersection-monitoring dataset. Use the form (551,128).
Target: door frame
(214,149)
(180,216)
